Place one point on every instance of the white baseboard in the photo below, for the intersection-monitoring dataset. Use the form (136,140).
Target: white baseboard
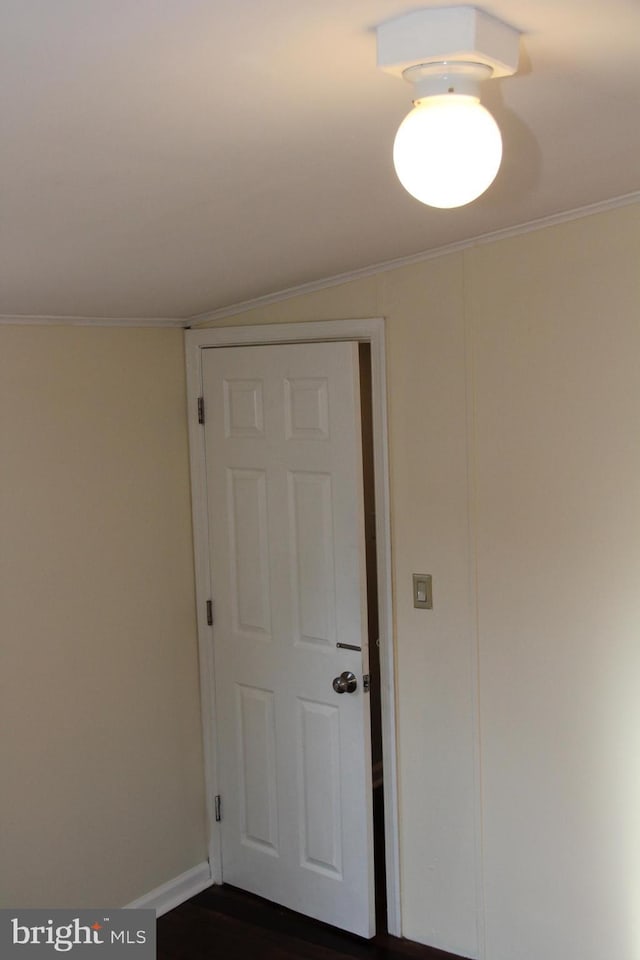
(176,891)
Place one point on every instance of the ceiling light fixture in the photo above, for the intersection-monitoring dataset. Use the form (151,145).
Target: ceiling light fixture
(448,149)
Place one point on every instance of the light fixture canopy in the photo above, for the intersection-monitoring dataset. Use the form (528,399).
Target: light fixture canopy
(448,148)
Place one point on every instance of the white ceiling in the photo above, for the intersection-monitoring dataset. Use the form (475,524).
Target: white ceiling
(164,158)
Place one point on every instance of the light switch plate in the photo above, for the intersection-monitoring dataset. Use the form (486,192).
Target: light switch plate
(422,591)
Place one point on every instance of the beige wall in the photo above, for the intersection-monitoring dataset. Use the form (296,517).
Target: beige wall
(514,404)
(102,797)
(557,386)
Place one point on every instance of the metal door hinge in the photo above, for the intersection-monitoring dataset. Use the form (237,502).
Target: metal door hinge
(200,409)
(209,613)
(366,683)
(217,806)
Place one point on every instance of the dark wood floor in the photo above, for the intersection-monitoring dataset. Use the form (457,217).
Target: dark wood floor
(228,924)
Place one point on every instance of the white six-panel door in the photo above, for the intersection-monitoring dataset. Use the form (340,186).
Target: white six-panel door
(284,489)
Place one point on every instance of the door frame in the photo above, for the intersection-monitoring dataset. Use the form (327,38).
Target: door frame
(370,331)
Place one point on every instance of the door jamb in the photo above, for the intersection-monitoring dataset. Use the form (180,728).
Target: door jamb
(370,331)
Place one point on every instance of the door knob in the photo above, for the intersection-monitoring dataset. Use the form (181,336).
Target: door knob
(345,683)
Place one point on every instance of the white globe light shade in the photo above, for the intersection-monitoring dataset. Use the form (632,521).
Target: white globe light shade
(447,150)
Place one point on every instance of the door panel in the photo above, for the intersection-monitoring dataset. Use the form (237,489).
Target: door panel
(319,763)
(284,487)
(258,795)
(311,558)
(248,551)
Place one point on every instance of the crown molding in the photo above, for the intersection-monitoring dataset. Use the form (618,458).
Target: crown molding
(49,321)
(315,285)
(288,293)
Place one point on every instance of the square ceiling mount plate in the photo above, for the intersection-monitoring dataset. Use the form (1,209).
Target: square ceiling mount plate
(443,33)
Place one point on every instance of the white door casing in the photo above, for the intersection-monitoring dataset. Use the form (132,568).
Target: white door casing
(284,488)
(197,344)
